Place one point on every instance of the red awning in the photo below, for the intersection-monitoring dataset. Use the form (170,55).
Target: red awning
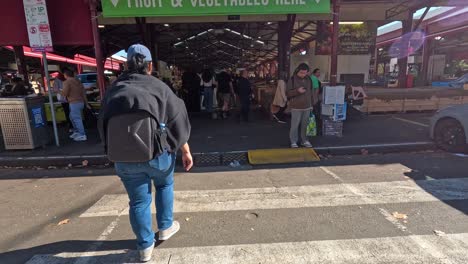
(110,64)
(78,60)
(70,23)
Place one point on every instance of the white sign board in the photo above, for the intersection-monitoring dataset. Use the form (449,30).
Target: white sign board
(334,94)
(37,23)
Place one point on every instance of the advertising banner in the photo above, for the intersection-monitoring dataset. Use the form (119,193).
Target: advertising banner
(155,8)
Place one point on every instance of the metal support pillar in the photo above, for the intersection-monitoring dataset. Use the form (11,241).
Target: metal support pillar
(97,48)
(43,84)
(285,31)
(407,26)
(376,62)
(153,46)
(335,39)
(21,63)
(51,101)
(148,36)
(427,50)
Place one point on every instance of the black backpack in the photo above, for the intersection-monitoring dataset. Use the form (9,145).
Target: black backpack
(134,137)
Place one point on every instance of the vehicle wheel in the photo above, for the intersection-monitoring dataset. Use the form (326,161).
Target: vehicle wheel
(450,136)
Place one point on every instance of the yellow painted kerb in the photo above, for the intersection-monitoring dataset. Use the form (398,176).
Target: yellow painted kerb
(281,156)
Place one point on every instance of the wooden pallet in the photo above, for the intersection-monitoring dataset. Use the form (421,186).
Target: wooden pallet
(372,106)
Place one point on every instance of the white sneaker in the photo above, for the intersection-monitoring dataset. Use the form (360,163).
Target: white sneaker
(307,144)
(168,233)
(146,254)
(294,145)
(74,135)
(80,138)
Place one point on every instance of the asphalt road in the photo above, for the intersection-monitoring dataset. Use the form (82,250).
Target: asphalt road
(340,210)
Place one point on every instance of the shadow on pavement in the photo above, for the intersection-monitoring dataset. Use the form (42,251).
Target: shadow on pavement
(123,251)
(71,246)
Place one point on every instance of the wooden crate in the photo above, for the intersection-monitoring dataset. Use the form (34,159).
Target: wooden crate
(377,105)
(465,99)
(420,104)
(445,102)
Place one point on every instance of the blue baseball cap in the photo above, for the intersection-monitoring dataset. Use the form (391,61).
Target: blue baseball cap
(139,49)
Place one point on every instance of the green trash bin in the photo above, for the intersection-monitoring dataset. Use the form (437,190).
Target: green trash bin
(23,122)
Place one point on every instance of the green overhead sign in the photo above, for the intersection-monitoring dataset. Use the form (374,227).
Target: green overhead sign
(155,8)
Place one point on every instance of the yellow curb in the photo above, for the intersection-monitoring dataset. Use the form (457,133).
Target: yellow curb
(282,156)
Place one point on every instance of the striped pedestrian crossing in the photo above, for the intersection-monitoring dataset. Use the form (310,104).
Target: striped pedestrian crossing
(299,196)
(394,243)
(405,249)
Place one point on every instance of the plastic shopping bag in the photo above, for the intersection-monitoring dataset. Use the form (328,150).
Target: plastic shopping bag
(312,126)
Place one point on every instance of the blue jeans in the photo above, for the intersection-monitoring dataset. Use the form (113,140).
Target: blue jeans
(208,99)
(76,111)
(137,179)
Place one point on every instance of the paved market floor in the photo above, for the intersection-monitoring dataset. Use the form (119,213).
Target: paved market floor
(395,208)
(261,133)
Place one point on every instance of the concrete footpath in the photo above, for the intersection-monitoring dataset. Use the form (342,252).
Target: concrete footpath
(220,142)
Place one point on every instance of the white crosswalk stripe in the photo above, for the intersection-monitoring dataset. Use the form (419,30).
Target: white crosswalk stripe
(408,248)
(299,196)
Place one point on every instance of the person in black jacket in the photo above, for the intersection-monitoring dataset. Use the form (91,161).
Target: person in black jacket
(244,89)
(136,90)
(18,87)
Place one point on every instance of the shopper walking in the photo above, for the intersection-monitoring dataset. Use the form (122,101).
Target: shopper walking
(280,100)
(226,91)
(299,92)
(136,91)
(244,89)
(58,87)
(75,94)
(208,84)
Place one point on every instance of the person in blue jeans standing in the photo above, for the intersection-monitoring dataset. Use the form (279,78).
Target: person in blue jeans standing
(208,83)
(75,94)
(136,90)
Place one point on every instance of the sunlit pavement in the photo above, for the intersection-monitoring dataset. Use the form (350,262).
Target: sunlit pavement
(396,208)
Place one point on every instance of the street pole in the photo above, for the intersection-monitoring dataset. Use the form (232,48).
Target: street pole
(97,48)
(51,99)
(335,39)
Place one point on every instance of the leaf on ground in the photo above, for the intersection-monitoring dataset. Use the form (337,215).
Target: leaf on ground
(439,233)
(398,215)
(64,222)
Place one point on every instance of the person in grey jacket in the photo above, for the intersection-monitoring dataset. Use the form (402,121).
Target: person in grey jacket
(299,93)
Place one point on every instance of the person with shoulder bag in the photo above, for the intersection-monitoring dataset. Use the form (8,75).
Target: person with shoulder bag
(280,101)
(143,123)
(299,92)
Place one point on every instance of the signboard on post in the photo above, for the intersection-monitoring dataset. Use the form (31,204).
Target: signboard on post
(158,8)
(37,22)
(354,39)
